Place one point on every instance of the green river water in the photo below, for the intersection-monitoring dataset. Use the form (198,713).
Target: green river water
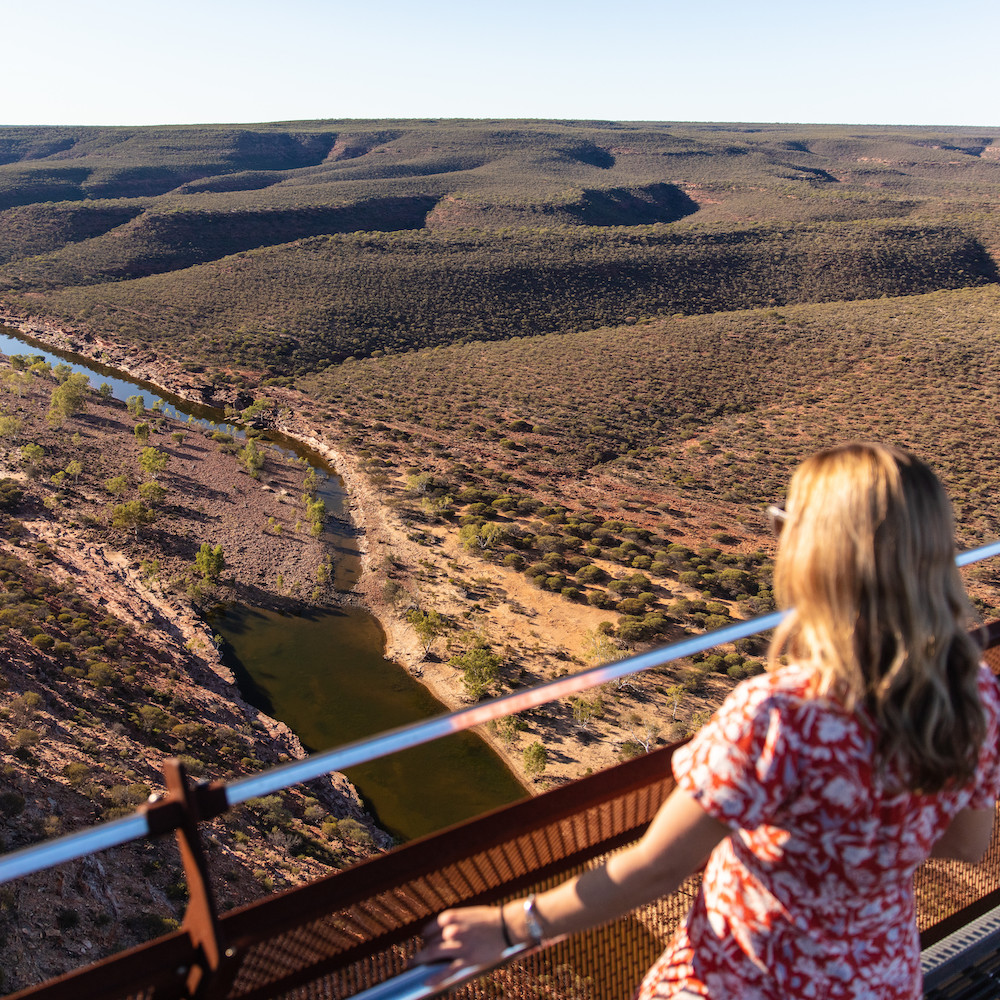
(342,689)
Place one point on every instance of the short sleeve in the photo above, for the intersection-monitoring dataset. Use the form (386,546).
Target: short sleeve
(987,786)
(742,766)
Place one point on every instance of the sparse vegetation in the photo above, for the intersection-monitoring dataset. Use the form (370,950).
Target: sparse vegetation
(575,361)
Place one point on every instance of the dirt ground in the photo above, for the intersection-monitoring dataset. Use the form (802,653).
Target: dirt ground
(541,633)
(208,498)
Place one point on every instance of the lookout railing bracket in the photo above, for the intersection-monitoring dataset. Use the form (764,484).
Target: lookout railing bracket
(185,805)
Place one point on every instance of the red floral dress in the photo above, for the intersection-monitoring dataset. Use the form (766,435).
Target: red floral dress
(811,895)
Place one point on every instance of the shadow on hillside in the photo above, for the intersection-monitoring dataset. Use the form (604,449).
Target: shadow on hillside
(633,206)
(983,264)
(593,156)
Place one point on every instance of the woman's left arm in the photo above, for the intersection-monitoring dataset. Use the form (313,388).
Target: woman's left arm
(677,842)
(967,836)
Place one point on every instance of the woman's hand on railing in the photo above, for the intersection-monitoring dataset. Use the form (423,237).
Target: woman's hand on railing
(471,936)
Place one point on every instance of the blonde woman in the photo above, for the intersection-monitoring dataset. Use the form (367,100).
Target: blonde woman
(817,788)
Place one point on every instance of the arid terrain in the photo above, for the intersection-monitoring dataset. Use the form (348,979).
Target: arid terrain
(538,634)
(562,368)
(81,742)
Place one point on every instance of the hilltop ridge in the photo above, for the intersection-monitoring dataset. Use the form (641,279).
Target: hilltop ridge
(293,247)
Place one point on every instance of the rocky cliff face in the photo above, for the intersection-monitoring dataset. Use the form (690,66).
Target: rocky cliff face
(107,670)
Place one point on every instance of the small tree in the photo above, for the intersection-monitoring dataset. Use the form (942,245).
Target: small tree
(31,458)
(251,457)
(10,494)
(10,427)
(675,693)
(310,483)
(427,624)
(210,562)
(136,406)
(153,461)
(601,648)
(142,432)
(131,516)
(117,485)
(316,512)
(481,536)
(642,735)
(586,711)
(18,382)
(535,759)
(153,493)
(480,668)
(507,727)
(69,397)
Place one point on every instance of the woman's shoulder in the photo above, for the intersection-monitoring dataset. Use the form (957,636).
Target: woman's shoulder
(784,700)
(769,737)
(789,686)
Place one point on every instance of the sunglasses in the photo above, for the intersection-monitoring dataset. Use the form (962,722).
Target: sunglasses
(777,515)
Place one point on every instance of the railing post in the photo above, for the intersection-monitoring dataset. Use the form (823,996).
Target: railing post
(207,975)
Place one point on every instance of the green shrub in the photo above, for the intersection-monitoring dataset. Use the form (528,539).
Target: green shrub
(11,804)
(351,830)
(76,773)
(535,759)
(24,739)
(101,674)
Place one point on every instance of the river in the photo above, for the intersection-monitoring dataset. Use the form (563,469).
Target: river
(323,672)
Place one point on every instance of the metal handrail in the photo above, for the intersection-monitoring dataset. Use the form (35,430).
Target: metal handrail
(417,733)
(415,983)
(75,845)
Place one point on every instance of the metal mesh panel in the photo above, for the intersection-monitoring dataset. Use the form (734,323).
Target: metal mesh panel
(607,962)
(944,888)
(949,893)
(366,919)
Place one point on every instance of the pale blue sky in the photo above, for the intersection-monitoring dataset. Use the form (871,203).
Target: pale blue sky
(108,62)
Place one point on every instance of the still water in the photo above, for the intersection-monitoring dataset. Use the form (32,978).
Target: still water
(342,689)
(322,673)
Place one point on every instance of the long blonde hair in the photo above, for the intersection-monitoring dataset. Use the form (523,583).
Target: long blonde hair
(866,562)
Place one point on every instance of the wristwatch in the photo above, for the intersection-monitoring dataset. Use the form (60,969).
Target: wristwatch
(531,921)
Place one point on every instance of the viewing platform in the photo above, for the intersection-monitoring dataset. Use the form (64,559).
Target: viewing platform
(352,933)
